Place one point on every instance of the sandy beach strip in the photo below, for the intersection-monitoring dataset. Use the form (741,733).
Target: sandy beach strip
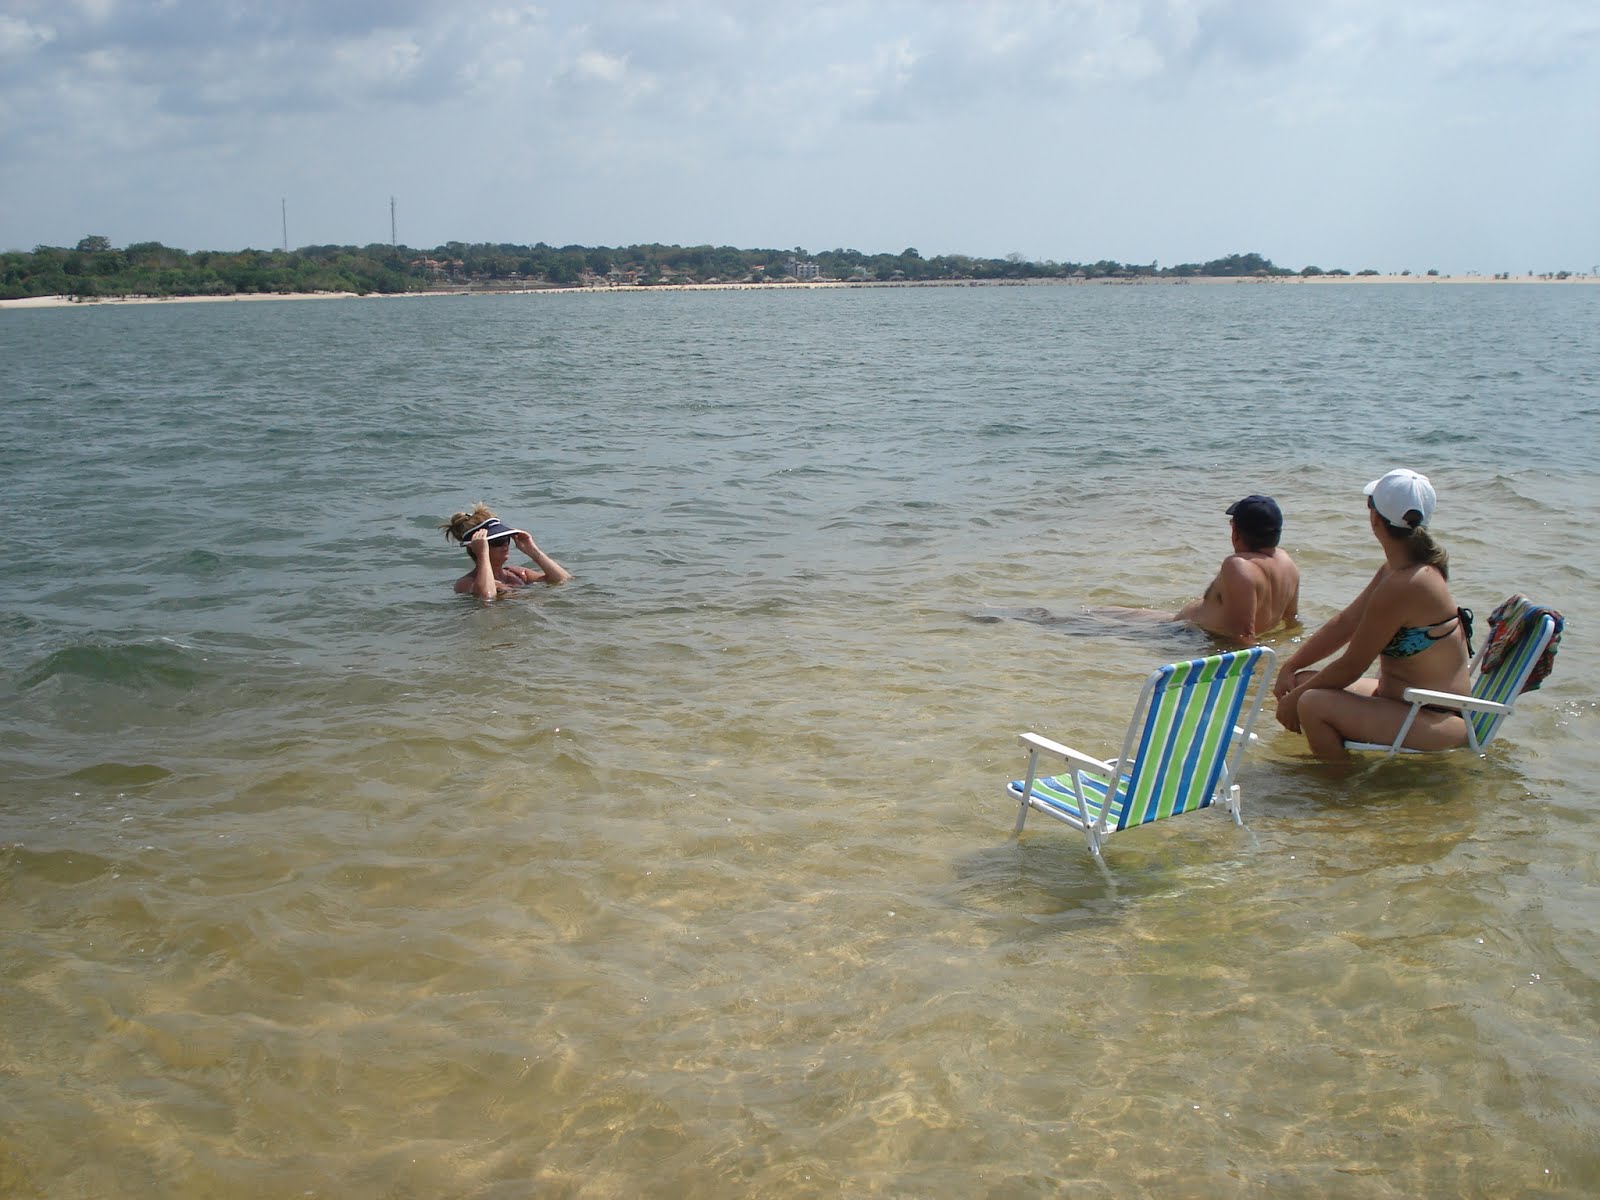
(92,301)
(29,302)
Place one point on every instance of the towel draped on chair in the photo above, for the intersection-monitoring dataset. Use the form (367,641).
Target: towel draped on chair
(1509,625)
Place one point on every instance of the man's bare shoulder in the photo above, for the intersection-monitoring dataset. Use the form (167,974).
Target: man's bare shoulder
(1265,562)
(1285,567)
(1242,566)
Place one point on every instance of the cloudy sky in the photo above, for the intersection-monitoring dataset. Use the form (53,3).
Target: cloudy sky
(1455,135)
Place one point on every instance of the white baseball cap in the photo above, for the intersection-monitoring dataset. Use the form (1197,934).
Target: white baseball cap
(1401,492)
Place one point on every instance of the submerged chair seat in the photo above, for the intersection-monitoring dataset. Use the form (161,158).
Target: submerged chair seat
(1520,650)
(1181,753)
(1066,803)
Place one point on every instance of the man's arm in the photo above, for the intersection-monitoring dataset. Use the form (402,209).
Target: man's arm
(1228,607)
(1241,584)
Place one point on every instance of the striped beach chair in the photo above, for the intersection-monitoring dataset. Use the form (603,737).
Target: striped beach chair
(1516,657)
(1181,753)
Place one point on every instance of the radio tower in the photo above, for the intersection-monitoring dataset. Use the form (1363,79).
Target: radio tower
(284,204)
(392,242)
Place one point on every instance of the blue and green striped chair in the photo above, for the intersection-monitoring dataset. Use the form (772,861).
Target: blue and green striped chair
(1181,753)
(1516,657)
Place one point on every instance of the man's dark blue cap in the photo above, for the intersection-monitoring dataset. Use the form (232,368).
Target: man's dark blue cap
(1257,516)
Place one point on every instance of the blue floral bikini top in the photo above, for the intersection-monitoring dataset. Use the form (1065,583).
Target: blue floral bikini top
(1414,639)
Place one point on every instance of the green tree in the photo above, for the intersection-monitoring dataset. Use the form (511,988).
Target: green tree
(110,262)
(566,267)
(1243,264)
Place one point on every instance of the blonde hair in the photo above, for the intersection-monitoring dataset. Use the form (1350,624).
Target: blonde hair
(458,524)
(1424,551)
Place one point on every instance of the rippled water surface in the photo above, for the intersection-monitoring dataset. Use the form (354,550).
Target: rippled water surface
(693,877)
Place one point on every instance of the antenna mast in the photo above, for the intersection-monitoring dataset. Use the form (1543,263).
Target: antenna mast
(284,203)
(392,242)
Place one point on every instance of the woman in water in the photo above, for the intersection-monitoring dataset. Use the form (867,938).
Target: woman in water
(1406,619)
(489,540)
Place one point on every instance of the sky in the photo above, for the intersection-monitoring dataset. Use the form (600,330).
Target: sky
(1449,135)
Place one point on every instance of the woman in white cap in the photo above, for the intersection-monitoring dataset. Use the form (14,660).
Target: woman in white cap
(1405,619)
(488,540)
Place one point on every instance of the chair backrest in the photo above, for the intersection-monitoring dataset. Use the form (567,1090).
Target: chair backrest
(1511,668)
(1178,758)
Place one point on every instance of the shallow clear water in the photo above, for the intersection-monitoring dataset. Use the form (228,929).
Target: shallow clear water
(693,877)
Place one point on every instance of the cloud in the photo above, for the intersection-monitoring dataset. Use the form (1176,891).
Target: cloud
(601,67)
(1031,123)
(19,37)
(1252,33)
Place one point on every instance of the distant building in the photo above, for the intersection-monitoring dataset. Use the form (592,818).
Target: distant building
(437,268)
(801,270)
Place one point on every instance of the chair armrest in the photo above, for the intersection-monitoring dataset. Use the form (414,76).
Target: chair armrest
(1034,742)
(1452,700)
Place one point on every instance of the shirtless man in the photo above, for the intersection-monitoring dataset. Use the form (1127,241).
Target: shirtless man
(1257,588)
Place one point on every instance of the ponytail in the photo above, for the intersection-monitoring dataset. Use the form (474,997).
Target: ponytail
(1421,548)
(1427,552)
(463,521)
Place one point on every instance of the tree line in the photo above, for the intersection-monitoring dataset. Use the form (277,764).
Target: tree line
(95,268)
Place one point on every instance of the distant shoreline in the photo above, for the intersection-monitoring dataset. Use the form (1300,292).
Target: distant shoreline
(1137,281)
